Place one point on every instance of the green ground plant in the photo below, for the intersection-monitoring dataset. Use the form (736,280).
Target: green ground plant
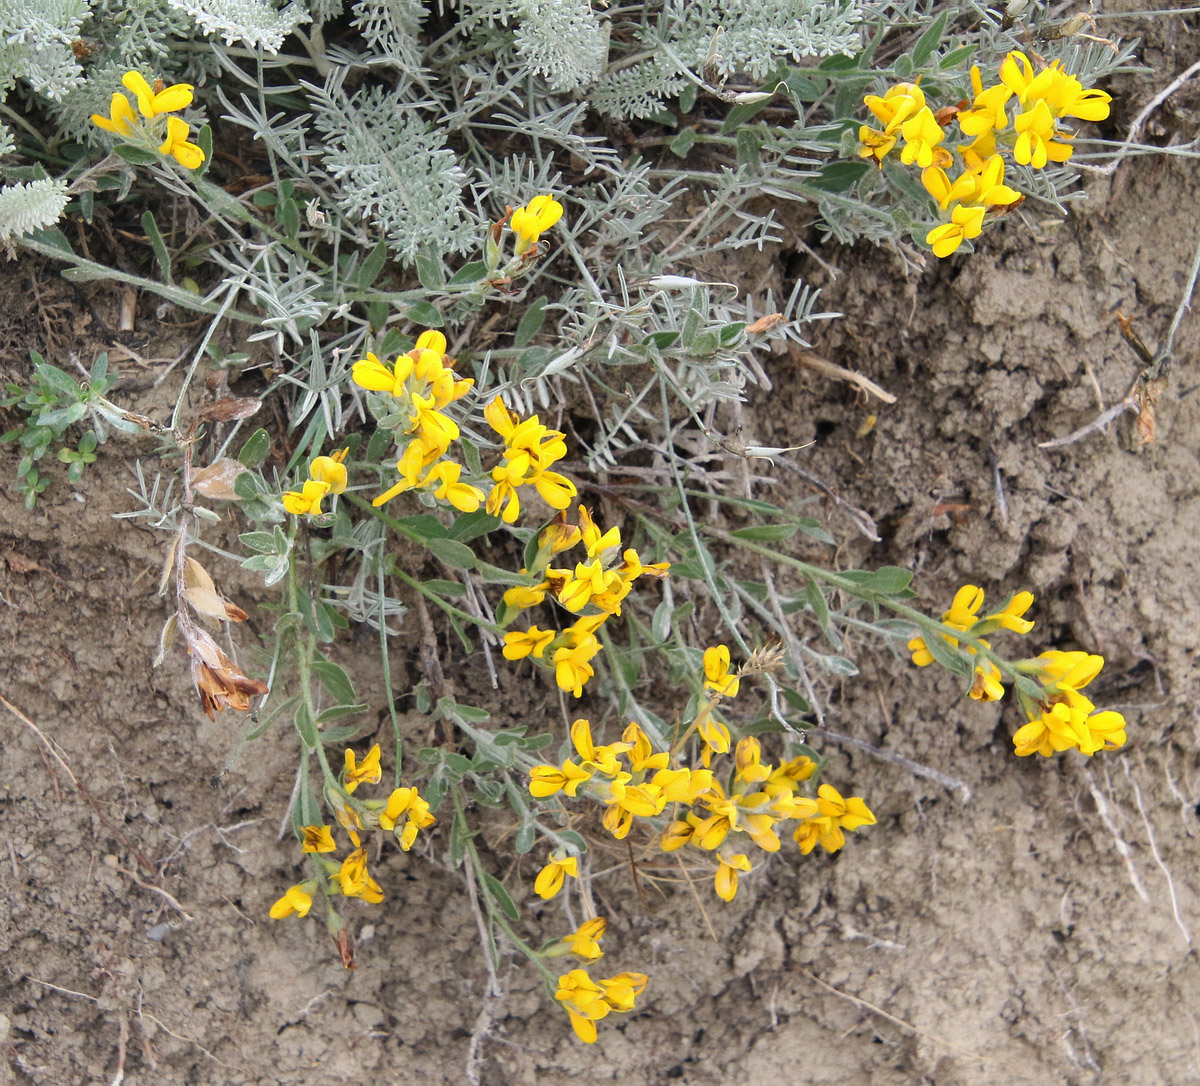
(470,252)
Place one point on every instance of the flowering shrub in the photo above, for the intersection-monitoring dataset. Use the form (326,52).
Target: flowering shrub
(552,509)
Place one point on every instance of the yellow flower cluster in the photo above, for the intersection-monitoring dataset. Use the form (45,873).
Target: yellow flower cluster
(422,382)
(1064,718)
(326,475)
(153,103)
(351,878)
(599,585)
(1042,99)
(1061,718)
(963,616)
(529,450)
(587,1001)
(635,781)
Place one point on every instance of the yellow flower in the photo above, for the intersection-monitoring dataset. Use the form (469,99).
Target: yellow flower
(621,991)
(548,780)
(317,839)
(406,801)
(551,877)
(921,134)
(1036,133)
(306,501)
(121,119)
(572,662)
(521,643)
(987,112)
(716,672)
(584,942)
(898,104)
(558,535)
(726,881)
(153,103)
(533,220)
(331,470)
(642,757)
(850,813)
(297,900)
(368,770)
(604,758)
(595,541)
(354,880)
(986,684)
(584,1002)
(965,223)
(676,835)
(521,596)
(1073,669)
(462,496)
(716,739)
(188,155)
(748,757)
(874,145)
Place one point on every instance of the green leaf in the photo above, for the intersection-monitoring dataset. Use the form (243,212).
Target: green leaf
(446,589)
(59,380)
(687,98)
(425,313)
(62,417)
(838,665)
(135,156)
(661,340)
(422,527)
(469,273)
(490,574)
(456,555)
(459,836)
(472,525)
(731,333)
(256,449)
(204,140)
(739,115)
(811,527)
(749,146)
(571,838)
(956,56)
(157,244)
(684,142)
(952,659)
(429,272)
(930,40)
(530,323)
(838,176)
(306,727)
(888,580)
(495,890)
(770,533)
(526,838)
(372,265)
(335,712)
(816,600)
(335,680)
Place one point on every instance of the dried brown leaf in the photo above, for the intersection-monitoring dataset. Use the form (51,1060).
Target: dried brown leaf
(231,408)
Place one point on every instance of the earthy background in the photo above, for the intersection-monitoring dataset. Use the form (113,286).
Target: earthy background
(1041,931)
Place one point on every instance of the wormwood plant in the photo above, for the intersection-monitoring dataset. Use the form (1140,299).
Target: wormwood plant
(505,373)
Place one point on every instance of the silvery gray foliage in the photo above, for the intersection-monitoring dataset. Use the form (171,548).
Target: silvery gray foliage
(391,30)
(563,41)
(251,22)
(718,38)
(35,47)
(30,205)
(392,168)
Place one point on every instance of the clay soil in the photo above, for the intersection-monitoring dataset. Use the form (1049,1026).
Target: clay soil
(1036,926)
